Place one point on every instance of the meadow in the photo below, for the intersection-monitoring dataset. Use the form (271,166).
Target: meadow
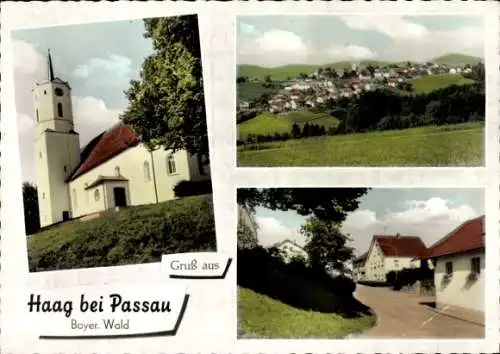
(268,123)
(263,317)
(448,145)
(431,83)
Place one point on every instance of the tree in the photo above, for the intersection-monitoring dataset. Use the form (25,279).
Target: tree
(267,78)
(31,211)
(296,132)
(326,245)
(166,105)
(241,79)
(330,204)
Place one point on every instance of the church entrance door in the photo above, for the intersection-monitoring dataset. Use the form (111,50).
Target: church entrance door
(120,197)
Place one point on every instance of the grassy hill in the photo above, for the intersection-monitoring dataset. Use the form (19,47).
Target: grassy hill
(248,91)
(431,83)
(451,145)
(260,316)
(268,123)
(132,235)
(456,59)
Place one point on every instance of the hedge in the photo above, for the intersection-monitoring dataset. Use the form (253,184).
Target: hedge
(139,234)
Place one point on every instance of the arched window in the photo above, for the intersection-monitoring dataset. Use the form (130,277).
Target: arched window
(86,193)
(171,169)
(75,203)
(37,117)
(97,195)
(117,171)
(147,172)
(59,109)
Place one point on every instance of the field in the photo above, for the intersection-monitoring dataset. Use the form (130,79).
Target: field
(451,145)
(262,317)
(248,91)
(268,123)
(137,234)
(431,83)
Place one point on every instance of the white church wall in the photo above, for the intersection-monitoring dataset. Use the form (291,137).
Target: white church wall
(141,189)
(165,181)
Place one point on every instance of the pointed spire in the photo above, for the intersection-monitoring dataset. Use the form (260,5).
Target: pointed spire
(50,68)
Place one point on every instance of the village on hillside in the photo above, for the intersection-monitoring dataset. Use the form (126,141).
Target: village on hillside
(317,89)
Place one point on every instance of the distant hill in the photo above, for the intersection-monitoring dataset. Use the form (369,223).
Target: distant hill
(283,72)
(293,70)
(455,59)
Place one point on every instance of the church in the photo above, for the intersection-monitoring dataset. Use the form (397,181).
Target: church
(114,170)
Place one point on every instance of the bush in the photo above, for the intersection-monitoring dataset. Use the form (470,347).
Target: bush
(296,283)
(191,188)
(407,277)
(133,235)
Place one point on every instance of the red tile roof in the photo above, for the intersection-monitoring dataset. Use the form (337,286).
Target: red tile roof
(106,146)
(468,236)
(400,246)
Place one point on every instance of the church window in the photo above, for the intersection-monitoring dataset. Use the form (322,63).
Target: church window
(97,195)
(59,110)
(65,168)
(147,172)
(44,92)
(75,204)
(171,169)
(117,171)
(59,92)
(43,195)
(37,117)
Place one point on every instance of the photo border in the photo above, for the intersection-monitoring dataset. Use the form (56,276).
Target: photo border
(217,26)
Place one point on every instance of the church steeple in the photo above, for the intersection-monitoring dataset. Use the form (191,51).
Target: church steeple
(50,68)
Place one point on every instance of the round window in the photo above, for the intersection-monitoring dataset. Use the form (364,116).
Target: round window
(59,92)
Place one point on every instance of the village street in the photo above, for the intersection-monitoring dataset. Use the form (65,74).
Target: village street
(400,314)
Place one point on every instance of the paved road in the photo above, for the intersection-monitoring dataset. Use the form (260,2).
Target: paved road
(400,315)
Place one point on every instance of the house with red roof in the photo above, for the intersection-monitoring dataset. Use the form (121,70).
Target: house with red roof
(392,253)
(459,259)
(114,170)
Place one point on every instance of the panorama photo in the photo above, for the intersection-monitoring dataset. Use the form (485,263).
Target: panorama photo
(113,142)
(360,90)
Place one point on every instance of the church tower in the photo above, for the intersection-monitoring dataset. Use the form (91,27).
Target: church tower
(57,147)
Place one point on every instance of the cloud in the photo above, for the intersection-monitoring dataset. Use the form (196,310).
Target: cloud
(272,48)
(392,26)
(113,69)
(271,231)
(247,29)
(430,219)
(407,40)
(91,115)
(352,52)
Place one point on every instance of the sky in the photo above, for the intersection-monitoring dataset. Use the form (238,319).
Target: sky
(429,213)
(321,39)
(97,60)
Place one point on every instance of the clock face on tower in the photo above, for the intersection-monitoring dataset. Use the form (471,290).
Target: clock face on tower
(58,92)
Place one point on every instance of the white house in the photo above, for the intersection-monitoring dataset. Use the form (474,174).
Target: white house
(392,253)
(459,266)
(114,170)
(289,250)
(358,267)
